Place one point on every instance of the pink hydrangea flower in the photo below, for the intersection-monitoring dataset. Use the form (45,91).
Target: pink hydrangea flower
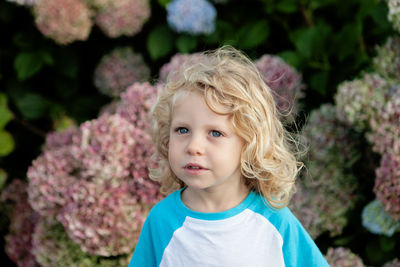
(284,81)
(387,184)
(343,257)
(122,17)
(387,60)
(64,21)
(49,177)
(96,182)
(326,189)
(53,247)
(385,129)
(358,101)
(136,103)
(102,220)
(22,223)
(393,263)
(119,69)
(175,63)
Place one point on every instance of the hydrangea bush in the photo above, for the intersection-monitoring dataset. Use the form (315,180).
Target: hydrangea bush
(372,106)
(394,13)
(107,155)
(119,69)
(285,82)
(54,248)
(64,21)
(94,181)
(385,131)
(343,257)
(357,101)
(191,16)
(393,263)
(387,60)
(23,221)
(121,17)
(387,184)
(326,190)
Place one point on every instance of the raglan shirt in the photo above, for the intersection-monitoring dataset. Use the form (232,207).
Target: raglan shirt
(250,234)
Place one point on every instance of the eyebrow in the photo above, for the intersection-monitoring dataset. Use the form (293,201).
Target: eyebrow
(210,126)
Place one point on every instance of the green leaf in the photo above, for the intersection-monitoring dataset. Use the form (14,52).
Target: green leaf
(347,40)
(386,243)
(164,3)
(253,34)
(303,41)
(27,64)
(185,43)
(3,178)
(6,143)
(5,116)
(287,6)
(31,105)
(312,41)
(292,58)
(3,100)
(319,82)
(159,42)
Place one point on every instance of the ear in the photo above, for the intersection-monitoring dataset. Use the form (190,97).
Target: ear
(166,142)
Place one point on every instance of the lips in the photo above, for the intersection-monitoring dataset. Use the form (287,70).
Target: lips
(194,166)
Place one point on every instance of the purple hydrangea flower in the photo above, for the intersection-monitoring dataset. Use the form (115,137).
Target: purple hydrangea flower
(121,17)
(191,16)
(119,69)
(284,81)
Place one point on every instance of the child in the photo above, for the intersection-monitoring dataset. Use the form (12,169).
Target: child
(225,153)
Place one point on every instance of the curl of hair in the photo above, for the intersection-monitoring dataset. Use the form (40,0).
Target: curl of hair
(232,85)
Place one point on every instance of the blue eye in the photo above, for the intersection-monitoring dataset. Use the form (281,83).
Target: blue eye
(215,133)
(182,130)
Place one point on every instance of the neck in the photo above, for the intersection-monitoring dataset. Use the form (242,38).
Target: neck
(214,200)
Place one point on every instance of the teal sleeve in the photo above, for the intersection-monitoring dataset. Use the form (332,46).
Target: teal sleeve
(298,247)
(144,255)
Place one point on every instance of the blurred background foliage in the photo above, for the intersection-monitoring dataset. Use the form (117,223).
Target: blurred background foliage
(48,85)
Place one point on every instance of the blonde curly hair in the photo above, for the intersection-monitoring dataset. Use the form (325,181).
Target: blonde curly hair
(228,79)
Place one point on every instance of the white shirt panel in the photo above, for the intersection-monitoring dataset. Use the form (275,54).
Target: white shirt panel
(247,239)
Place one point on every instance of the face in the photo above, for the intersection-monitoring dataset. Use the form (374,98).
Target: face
(204,150)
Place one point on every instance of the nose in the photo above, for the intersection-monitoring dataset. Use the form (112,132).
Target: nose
(195,146)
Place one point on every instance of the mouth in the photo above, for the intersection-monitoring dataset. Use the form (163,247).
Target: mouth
(194,167)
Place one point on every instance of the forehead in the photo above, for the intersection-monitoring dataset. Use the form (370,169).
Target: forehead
(192,107)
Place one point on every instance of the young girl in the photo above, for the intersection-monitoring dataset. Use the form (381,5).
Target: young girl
(226,158)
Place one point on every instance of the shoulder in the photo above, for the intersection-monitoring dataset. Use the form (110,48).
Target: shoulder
(298,247)
(280,218)
(164,207)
